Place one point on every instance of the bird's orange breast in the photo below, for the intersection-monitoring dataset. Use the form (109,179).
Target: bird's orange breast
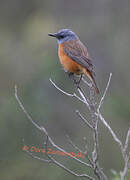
(67,62)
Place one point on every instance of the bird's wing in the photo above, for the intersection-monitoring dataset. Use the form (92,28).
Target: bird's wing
(78,52)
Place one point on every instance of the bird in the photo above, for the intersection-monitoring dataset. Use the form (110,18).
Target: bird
(74,56)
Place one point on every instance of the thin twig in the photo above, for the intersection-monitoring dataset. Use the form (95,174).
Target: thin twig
(83,119)
(84,98)
(54,161)
(95,151)
(23,109)
(122,148)
(74,146)
(36,157)
(127,140)
(125,155)
(97,170)
(101,117)
(60,149)
(78,149)
(44,130)
(70,171)
(125,170)
(110,130)
(104,94)
(68,94)
(95,115)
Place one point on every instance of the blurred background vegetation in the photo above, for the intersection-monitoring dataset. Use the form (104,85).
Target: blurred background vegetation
(28,58)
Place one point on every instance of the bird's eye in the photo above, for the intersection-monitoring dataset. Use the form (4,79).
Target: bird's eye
(61,36)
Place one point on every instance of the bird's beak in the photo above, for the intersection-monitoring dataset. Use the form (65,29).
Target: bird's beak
(53,34)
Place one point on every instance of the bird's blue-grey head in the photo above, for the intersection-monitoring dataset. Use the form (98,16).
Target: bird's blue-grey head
(64,35)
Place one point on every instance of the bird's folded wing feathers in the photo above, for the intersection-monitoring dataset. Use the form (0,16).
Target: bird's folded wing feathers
(78,52)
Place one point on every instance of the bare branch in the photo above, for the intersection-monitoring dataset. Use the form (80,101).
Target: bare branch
(74,146)
(36,157)
(59,89)
(122,148)
(104,94)
(70,171)
(124,173)
(44,130)
(68,94)
(95,151)
(60,149)
(110,129)
(54,161)
(95,115)
(83,119)
(101,117)
(127,140)
(84,98)
(125,156)
(78,149)
(91,106)
(23,109)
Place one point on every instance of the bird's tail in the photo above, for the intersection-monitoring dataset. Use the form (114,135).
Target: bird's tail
(90,76)
(95,86)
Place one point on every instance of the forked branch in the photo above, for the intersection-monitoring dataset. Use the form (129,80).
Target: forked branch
(96,117)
